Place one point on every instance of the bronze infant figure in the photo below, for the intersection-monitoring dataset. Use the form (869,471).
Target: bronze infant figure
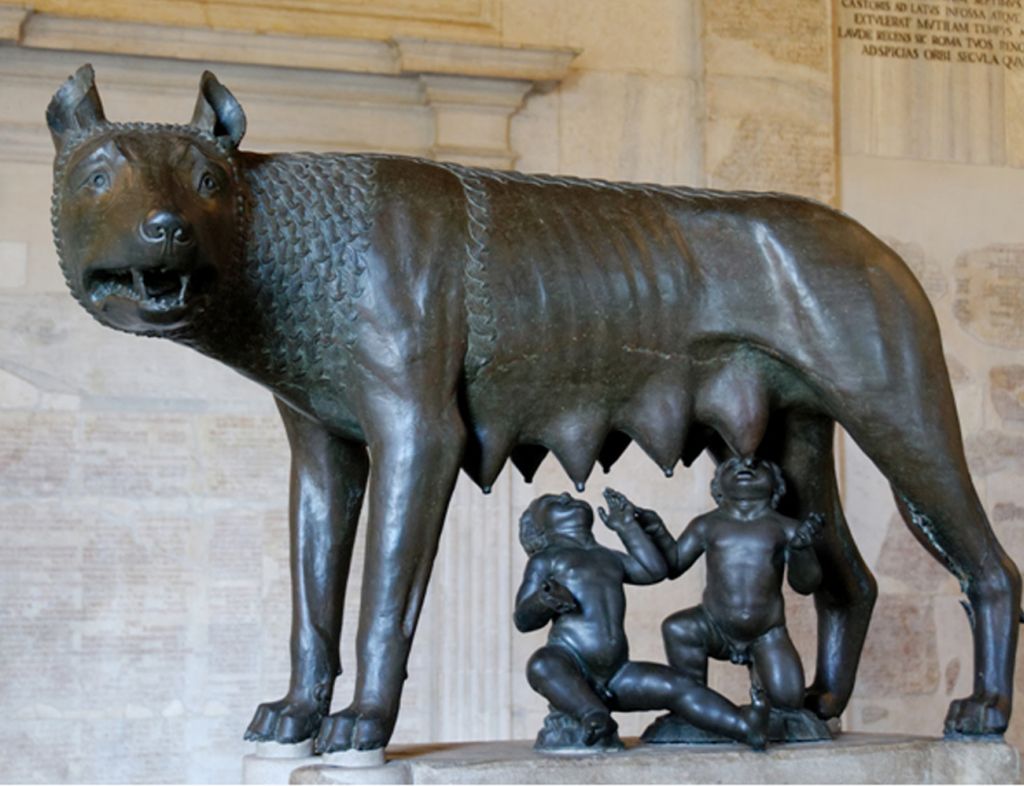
(584,670)
(748,546)
(413,317)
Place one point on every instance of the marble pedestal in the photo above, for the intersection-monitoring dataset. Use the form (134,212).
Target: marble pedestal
(851,758)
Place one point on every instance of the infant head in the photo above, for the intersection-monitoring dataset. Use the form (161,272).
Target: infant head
(748,479)
(555,514)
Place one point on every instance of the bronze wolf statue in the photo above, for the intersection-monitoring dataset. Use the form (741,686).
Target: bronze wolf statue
(413,317)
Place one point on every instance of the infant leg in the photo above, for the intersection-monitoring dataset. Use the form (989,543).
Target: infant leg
(652,686)
(556,676)
(687,638)
(777,668)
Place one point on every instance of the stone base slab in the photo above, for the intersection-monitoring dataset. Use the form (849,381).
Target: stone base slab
(851,758)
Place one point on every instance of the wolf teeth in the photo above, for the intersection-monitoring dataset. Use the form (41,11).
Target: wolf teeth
(139,283)
(131,284)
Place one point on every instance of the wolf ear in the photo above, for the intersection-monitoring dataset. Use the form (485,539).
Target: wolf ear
(74,107)
(218,112)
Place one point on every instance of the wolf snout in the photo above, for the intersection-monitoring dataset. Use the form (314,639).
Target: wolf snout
(166,228)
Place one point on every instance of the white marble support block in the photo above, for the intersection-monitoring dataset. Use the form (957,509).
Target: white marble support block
(852,758)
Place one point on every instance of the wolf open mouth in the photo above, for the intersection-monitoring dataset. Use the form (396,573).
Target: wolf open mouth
(156,289)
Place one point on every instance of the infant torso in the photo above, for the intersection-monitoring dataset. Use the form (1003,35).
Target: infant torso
(594,632)
(745,564)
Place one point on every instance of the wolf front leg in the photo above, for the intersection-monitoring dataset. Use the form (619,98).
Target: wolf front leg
(415,463)
(328,478)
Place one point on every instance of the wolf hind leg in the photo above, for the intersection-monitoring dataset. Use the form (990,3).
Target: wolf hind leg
(923,459)
(802,444)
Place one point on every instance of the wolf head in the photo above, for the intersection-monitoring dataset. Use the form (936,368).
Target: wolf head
(146,217)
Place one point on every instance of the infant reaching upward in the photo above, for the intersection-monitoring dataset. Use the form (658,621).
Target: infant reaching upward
(584,670)
(748,545)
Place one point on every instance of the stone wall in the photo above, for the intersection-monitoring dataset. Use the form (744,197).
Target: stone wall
(931,155)
(143,487)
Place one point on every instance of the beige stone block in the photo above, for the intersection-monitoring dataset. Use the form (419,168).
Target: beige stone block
(120,455)
(109,640)
(1015,733)
(973,409)
(27,256)
(656,37)
(867,500)
(928,271)
(768,135)
(57,348)
(905,561)
(768,92)
(275,611)
(13,263)
(33,453)
(630,127)
(1007,511)
(794,33)
(1013,117)
(1006,384)
(352,121)
(802,624)
(534,136)
(959,374)
(16,393)
(900,654)
(244,456)
(989,452)
(990,294)
(945,208)
(468,620)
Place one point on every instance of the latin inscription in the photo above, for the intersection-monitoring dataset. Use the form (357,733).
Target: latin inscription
(968,32)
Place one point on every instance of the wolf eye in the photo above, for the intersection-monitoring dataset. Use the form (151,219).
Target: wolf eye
(98,180)
(207,184)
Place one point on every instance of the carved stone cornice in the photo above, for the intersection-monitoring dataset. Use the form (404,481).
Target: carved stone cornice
(470,89)
(395,57)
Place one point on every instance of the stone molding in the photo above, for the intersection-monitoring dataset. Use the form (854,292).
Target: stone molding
(469,20)
(394,57)
(472,90)
(11,22)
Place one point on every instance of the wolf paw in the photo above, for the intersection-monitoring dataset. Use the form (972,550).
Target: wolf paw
(286,721)
(978,716)
(354,728)
(823,703)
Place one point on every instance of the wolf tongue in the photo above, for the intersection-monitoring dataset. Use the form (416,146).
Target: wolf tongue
(161,283)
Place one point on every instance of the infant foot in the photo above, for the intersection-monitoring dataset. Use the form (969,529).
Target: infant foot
(756,715)
(597,726)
